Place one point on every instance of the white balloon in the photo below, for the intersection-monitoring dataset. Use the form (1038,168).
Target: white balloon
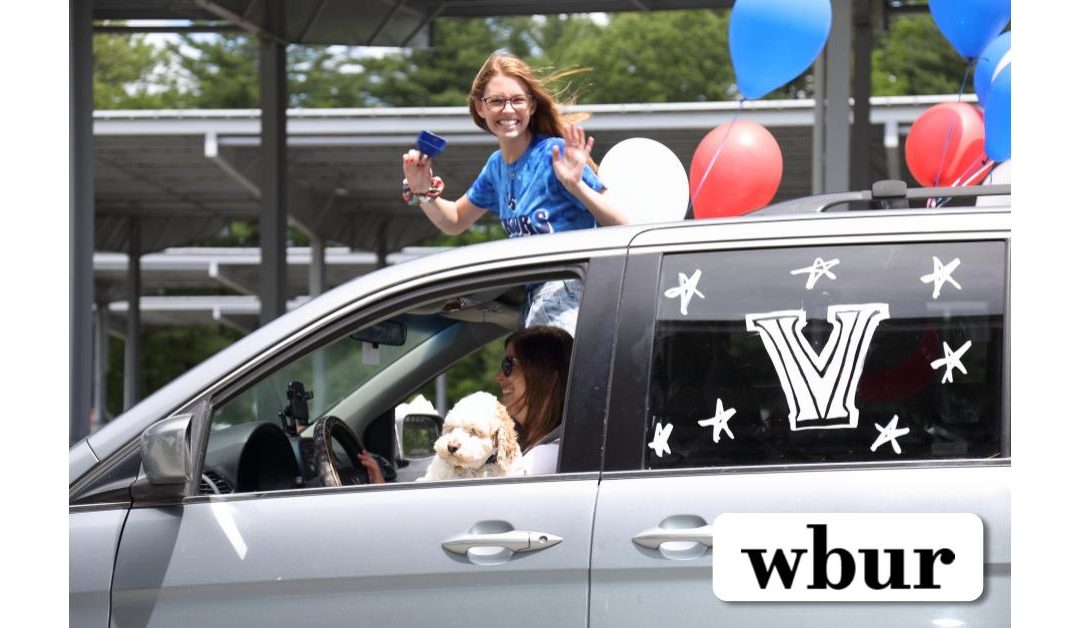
(1002,173)
(646,180)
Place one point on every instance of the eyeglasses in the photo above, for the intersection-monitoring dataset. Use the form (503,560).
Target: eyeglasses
(498,103)
(507,366)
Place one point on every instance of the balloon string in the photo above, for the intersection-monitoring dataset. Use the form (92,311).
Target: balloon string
(948,136)
(712,162)
(980,170)
(972,172)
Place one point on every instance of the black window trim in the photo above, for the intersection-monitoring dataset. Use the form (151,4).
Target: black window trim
(585,416)
(624,446)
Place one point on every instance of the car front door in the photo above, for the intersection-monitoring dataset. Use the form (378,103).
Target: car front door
(705,419)
(390,554)
(362,556)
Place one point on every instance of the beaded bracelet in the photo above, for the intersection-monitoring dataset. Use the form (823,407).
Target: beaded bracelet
(413,198)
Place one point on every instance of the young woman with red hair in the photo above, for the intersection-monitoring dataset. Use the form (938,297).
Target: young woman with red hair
(541,179)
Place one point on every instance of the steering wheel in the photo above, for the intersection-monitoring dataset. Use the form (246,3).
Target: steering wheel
(331,470)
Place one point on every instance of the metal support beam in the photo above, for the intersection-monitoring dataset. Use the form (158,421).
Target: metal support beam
(81,215)
(428,19)
(272,209)
(381,249)
(315,14)
(837,92)
(240,281)
(892,150)
(101,365)
(133,342)
(386,20)
(135,30)
(861,174)
(317,267)
(273,30)
(212,151)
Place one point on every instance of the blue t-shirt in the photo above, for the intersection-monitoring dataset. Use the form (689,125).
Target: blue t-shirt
(527,195)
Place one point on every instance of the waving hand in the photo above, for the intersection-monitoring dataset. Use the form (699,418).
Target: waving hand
(570,165)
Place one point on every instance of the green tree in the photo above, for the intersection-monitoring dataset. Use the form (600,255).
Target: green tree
(441,76)
(128,74)
(168,352)
(660,56)
(914,58)
(326,77)
(221,70)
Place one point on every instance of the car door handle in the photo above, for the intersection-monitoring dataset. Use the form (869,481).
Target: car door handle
(653,537)
(515,541)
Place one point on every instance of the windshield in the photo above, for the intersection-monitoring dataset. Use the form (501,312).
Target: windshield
(329,374)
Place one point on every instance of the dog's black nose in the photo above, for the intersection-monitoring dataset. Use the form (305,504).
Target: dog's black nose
(452,448)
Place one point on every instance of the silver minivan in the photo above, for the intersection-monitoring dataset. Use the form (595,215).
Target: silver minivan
(750,365)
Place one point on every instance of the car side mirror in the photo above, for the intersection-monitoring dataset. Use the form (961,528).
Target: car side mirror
(418,435)
(168,449)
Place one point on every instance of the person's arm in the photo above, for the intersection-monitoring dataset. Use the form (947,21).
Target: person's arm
(451,217)
(371,465)
(570,167)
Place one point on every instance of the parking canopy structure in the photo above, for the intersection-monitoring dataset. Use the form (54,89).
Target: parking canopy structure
(190,172)
(267,170)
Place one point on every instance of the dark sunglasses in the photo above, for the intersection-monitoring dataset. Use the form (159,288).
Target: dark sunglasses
(507,366)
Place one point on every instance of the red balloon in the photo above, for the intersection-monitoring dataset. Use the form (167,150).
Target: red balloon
(946,145)
(735,172)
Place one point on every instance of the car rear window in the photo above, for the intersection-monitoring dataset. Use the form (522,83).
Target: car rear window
(849,353)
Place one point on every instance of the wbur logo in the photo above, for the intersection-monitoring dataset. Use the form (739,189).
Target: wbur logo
(852,557)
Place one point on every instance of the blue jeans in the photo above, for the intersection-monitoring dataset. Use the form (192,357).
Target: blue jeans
(554,303)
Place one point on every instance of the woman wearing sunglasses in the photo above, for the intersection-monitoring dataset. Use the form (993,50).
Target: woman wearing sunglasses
(540,180)
(533,377)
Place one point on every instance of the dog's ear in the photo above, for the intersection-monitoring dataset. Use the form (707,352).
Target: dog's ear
(509,450)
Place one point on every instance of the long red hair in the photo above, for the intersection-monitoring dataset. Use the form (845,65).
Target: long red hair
(547,119)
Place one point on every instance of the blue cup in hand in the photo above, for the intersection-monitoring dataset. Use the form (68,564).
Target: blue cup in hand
(430,144)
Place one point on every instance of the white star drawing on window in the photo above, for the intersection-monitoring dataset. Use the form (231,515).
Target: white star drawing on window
(889,434)
(686,290)
(942,274)
(951,361)
(816,271)
(719,421)
(659,442)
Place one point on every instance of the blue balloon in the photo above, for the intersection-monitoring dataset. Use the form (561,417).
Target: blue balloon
(774,41)
(999,116)
(988,62)
(970,25)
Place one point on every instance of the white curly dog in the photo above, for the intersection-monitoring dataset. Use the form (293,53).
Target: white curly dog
(478,441)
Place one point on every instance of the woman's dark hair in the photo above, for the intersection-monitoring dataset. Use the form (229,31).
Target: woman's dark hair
(543,354)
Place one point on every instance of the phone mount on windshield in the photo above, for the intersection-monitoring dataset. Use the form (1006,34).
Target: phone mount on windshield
(295,416)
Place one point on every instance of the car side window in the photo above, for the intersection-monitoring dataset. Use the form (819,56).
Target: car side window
(333,371)
(308,421)
(828,354)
